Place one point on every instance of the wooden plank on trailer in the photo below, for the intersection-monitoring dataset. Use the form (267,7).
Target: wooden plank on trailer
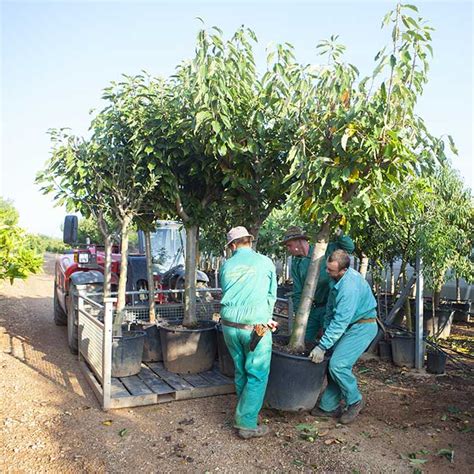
(195,380)
(216,378)
(205,392)
(136,400)
(96,388)
(135,386)
(174,380)
(154,382)
(117,389)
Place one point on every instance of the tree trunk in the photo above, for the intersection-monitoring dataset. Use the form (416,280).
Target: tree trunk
(437,296)
(123,265)
(108,241)
(311,282)
(401,276)
(364,265)
(458,290)
(107,266)
(151,281)
(392,279)
(190,318)
(408,315)
(255,230)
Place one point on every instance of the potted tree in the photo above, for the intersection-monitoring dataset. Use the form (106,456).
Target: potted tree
(353,141)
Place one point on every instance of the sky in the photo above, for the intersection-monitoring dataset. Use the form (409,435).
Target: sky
(58,56)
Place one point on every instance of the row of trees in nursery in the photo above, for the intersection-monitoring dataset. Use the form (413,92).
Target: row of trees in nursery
(20,253)
(222,142)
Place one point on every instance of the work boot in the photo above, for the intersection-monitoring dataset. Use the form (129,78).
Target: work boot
(352,411)
(318,412)
(258,432)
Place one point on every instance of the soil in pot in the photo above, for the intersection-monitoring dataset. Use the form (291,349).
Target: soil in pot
(226,363)
(295,382)
(127,353)
(188,351)
(435,362)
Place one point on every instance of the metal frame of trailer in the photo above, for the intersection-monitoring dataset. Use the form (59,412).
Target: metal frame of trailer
(154,384)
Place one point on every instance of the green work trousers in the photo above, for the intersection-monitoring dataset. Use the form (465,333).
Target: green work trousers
(342,384)
(251,373)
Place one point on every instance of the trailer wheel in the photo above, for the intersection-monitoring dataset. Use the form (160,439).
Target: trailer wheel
(60,317)
(72,330)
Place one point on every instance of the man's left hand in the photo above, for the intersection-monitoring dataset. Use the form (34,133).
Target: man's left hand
(317,355)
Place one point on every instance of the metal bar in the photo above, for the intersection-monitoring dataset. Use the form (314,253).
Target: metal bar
(92,302)
(91,318)
(419,346)
(107,353)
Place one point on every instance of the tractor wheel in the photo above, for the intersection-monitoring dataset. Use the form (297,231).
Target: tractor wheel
(72,331)
(60,317)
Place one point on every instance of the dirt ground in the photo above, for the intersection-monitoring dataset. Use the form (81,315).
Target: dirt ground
(51,421)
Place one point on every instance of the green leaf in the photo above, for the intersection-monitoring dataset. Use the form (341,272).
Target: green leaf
(447,453)
(222,150)
(123,432)
(344,139)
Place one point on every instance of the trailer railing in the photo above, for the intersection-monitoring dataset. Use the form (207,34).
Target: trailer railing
(95,322)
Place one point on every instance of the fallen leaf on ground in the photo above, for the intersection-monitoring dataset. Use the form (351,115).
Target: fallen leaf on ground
(123,432)
(107,422)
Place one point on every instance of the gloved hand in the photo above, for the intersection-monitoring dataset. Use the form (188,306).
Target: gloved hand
(273,325)
(317,355)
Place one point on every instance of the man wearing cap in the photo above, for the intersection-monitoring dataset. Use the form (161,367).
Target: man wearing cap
(350,326)
(248,281)
(296,242)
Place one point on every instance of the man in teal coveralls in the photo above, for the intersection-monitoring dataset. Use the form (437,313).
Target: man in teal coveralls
(350,326)
(297,244)
(249,285)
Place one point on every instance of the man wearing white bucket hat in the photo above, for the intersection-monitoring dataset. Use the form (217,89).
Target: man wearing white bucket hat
(248,281)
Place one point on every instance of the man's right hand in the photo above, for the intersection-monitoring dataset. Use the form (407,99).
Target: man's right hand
(317,355)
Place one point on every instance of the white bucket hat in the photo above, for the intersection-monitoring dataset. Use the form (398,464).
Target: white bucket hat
(237,233)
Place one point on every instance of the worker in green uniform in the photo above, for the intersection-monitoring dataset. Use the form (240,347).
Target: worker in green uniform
(248,281)
(297,244)
(350,326)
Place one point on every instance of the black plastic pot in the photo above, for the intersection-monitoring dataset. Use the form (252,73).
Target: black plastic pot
(127,353)
(385,350)
(152,346)
(440,325)
(294,383)
(403,349)
(435,362)
(189,351)
(226,363)
(461,311)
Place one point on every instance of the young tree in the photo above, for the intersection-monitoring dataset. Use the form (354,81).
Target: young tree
(355,139)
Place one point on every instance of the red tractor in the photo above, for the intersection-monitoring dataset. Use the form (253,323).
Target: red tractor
(81,270)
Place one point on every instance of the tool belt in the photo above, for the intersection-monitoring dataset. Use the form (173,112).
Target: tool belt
(248,327)
(258,331)
(364,321)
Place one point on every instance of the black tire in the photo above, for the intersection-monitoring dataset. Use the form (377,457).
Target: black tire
(72,329)
(60,317)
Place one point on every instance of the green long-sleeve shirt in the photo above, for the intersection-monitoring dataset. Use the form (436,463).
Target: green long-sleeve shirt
(248,281)
(350,299)
(299,270)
